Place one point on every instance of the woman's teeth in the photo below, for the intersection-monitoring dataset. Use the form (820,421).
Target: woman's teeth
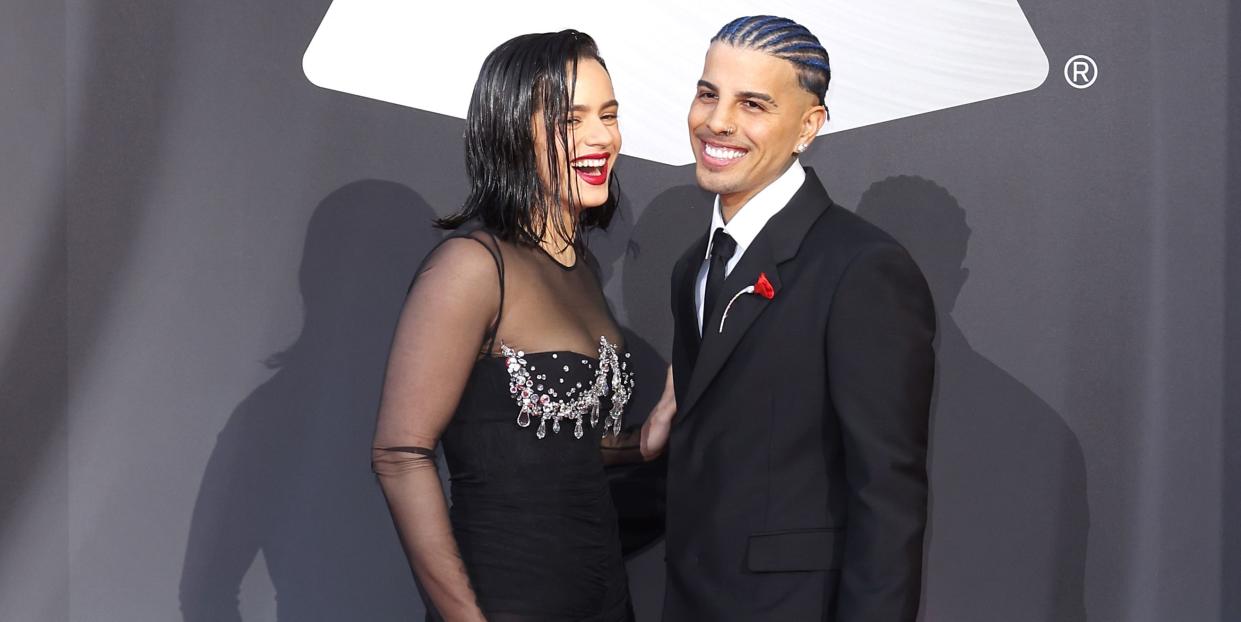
(596,163)
(591,170)
(723,153)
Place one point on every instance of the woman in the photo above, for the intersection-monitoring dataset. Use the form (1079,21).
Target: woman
(507,353)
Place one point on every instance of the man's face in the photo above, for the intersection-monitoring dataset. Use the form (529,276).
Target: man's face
(748,116)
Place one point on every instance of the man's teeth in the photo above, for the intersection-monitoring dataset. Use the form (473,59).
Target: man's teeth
(590,163)
(723,153)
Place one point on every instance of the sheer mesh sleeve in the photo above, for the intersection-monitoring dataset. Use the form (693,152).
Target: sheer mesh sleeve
(448,315)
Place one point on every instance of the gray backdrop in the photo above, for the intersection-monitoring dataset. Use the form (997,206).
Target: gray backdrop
(202,256)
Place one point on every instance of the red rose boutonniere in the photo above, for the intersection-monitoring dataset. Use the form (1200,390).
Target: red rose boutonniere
(761,287)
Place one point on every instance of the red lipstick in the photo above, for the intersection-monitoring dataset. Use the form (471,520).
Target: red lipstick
(593,175)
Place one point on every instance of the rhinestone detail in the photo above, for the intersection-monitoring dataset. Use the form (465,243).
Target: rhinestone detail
(611,376)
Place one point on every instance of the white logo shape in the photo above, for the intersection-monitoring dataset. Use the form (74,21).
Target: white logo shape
(1081,71)
(890,58)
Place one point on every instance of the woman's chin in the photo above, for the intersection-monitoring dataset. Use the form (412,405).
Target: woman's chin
(591,200)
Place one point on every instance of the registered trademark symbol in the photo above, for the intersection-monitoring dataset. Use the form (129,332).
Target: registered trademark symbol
(1081,71)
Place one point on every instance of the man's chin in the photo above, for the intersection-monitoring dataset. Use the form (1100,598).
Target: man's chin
(713,181)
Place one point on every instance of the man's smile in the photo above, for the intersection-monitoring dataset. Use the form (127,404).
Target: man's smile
(718,156)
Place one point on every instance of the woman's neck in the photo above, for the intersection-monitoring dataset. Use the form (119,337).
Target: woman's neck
(557,249)
(564,251)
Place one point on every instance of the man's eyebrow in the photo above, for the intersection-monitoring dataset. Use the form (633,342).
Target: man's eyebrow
(743,94)
(757,95)
(608,104)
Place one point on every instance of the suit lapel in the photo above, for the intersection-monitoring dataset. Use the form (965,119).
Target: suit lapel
(777,243)
(718,344)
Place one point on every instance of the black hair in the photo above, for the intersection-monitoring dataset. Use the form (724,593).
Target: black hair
(519,78)
(783,38)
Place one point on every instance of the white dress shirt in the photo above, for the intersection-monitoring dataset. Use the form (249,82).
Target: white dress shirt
(747,223)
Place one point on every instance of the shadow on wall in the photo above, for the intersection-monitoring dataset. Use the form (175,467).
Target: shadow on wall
(290,474)
(667,227)
(1008,517)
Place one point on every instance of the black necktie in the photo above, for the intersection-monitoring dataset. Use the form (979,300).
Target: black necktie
(722,248)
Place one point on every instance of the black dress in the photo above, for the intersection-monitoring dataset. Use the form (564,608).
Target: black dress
(519,377)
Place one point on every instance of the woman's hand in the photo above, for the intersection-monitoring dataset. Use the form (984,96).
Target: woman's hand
(659,422)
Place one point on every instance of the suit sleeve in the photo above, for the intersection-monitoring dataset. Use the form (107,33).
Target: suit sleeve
(680,352)
(880,375)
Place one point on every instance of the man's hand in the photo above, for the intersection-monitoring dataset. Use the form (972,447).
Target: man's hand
(659,422)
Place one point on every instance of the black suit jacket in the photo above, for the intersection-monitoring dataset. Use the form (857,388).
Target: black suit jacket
(797,459)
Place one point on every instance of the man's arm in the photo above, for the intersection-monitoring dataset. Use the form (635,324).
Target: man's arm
(880,375)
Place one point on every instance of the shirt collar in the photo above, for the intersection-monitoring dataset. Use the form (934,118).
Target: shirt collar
(750,219)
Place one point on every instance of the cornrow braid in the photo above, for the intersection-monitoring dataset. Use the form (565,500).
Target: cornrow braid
(786,39)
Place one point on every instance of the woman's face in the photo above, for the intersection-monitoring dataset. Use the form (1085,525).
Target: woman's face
(594,140)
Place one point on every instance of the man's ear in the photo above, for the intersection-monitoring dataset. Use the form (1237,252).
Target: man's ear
(811,122)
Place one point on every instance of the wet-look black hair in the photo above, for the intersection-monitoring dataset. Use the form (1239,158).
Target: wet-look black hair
(523,77)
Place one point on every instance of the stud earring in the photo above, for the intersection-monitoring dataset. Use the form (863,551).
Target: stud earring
(801,148)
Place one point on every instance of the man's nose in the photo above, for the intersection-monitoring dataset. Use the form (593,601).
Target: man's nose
(721,121)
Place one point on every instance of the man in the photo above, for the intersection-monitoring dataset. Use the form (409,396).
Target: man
(802,366)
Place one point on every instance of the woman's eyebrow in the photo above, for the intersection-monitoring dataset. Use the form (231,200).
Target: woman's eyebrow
(585,108)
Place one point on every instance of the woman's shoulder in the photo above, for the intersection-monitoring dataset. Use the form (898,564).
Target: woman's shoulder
(483,236)
(467,257)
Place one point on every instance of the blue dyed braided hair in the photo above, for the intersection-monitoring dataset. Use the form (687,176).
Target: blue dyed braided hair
(783,38)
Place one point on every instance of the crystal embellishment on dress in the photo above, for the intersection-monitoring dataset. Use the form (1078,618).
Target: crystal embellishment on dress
(612,376)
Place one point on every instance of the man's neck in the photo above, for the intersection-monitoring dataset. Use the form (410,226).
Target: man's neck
(731,204)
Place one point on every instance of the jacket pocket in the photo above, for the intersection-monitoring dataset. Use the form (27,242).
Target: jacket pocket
(795,550)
